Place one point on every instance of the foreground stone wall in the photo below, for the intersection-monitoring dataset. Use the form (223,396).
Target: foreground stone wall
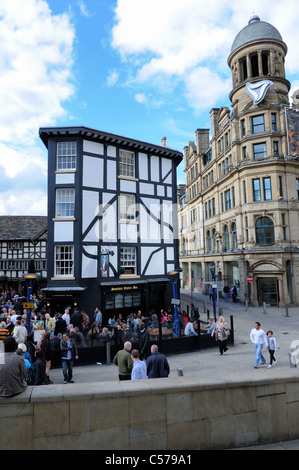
(166,414)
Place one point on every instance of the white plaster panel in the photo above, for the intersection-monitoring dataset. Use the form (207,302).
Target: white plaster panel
(169,191)
(93,172)
(161,191)
(155,170)
(127,186)
(90,202)
(143,166)
(167,215)
(156,265)
(166,167)
(108,224)
(63,231)
(89,265)
(170,253)
(93,147)
(111,151)
(150,229)
(65,178)
(128,233)
(111,175)
(146,188)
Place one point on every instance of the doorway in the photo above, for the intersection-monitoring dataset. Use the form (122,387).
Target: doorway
(268,291)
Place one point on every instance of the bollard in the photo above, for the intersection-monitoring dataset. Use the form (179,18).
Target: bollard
(108,353)
(180,371)
(264,307)
(246,305)
(287,310)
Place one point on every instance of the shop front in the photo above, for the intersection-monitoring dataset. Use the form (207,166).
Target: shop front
(125,297)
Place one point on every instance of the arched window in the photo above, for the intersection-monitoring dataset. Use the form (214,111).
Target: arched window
(264,231)
(214,240)
(234,236)
(226,239)
(209,241)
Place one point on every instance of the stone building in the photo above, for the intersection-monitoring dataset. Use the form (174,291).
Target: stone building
(242,180)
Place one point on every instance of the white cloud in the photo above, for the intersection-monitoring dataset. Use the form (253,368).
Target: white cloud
(83,9)
(35,81)
(112,78)
(140,98)
(188,42)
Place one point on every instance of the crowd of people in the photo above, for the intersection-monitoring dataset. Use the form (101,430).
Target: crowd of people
(29,350)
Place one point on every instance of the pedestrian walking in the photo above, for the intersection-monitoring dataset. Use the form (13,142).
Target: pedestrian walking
(258,338)
(226,293)
(68,353)
(221,332)
(272,348)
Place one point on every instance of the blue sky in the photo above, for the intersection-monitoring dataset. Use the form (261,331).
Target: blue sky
(139,68)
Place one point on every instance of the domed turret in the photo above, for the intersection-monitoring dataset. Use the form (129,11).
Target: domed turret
(255,30)
(257,55)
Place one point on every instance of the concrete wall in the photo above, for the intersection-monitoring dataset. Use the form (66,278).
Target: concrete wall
(166,414)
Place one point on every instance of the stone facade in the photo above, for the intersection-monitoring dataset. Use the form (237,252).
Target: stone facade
(162,414)
(242,198)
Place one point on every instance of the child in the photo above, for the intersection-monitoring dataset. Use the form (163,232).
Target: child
(272,346)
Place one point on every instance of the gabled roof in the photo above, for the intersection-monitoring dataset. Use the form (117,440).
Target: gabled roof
(22,227)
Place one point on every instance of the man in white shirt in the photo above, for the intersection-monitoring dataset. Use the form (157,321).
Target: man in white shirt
(189,329)
(66,317)
(258,338)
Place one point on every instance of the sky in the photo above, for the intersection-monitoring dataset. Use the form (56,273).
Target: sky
(142,69)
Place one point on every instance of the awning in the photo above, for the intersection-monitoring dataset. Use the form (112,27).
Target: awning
(64,289)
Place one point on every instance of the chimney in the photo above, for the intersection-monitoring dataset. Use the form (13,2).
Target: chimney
(163,140)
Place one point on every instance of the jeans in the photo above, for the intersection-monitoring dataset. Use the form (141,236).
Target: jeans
(67,369)
(259,356)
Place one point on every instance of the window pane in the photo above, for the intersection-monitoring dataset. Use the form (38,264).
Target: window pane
(127,206)
(258,124)
(65,202)
(264,231)
(256,190)
(126,163)
(66,155)
(128,260)
(260,150)
(64,262)
(267,189)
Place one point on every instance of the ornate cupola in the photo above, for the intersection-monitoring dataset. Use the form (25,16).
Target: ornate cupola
(257,63)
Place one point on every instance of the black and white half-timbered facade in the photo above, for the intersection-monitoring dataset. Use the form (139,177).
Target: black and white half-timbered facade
(23,239)
(112,221)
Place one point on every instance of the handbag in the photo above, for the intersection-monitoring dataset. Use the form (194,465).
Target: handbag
(226,332)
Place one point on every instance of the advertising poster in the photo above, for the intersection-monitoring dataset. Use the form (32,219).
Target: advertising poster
(104,265)
(293,131)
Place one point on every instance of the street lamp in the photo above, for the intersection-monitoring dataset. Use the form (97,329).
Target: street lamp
(175,301)
(30,279)
(215,291)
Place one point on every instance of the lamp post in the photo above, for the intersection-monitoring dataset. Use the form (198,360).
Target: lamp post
(175,301)
(215,291)
(30,279)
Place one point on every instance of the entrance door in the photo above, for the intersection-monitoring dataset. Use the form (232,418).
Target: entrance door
(267,289)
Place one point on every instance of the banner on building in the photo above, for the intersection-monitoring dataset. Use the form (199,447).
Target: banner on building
(293,131)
